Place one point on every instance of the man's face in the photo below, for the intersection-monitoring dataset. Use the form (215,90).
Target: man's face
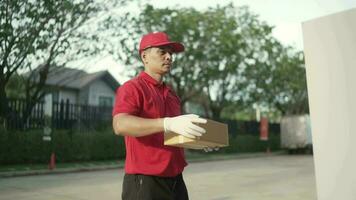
(158,59)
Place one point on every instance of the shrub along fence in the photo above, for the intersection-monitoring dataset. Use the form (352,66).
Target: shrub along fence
(29,147)
(251,143)
(240,127)
(72,144)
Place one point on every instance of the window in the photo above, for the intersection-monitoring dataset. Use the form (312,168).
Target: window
(105,101)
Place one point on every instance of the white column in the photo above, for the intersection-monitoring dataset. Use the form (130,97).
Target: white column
(330,54)
(48,103)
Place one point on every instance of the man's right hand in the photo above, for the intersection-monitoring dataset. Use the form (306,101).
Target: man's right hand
(184,125)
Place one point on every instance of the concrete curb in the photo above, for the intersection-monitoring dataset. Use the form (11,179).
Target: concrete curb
(234,156)
(55,171)
(209,158)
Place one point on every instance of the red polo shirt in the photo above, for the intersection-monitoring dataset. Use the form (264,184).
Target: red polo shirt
(144,97)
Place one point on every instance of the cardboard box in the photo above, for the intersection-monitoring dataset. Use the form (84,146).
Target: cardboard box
(216,136)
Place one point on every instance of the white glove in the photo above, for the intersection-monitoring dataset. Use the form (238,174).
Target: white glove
(183,125)
(209,149)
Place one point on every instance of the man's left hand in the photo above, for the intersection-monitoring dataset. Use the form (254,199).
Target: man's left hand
(209,149)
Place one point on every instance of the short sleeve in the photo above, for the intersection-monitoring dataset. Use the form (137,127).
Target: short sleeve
(127,100)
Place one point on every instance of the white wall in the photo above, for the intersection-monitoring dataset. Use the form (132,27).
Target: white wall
(68,94)
(99,88)
(330,54)
(83,96)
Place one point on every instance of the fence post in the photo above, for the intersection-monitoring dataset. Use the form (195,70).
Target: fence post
(66,118)
(61,114)
(47,129)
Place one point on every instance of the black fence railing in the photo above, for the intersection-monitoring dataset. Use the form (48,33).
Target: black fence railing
(64,115)
(84,117)
(238,127)
(17,115)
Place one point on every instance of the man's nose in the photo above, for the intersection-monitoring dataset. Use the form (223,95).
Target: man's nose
(168,56)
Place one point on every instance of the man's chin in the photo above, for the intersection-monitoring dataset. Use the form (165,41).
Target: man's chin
(167,67)
(166,70)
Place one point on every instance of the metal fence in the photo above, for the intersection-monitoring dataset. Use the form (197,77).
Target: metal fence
(64,115)
(85,117)
(238,127)
(17,120)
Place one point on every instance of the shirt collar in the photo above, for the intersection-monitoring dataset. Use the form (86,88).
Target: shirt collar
(150,80)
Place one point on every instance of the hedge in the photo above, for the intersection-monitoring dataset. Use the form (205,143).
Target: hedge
(28,147)
(248,143)
(251,143)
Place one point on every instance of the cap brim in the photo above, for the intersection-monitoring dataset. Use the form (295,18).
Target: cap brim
(176,46)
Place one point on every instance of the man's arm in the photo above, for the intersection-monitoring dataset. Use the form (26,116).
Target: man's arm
(129,125)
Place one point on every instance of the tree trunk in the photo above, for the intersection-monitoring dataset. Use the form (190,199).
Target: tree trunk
(182,104)
(206,110)
(4,107)
(216,112)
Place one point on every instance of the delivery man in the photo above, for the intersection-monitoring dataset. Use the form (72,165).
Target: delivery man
(146,108)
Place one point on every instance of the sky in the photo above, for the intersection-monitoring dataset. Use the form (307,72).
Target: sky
(286,16)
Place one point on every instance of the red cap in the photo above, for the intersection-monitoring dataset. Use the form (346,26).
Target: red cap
(158,39)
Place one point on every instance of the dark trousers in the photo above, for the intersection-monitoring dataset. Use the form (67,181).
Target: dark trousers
(143,187)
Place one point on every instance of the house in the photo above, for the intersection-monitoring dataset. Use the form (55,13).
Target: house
(79,87)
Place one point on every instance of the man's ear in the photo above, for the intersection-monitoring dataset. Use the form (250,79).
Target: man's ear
(143,57)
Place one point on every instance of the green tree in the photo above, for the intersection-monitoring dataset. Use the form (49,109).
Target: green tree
(221,43)
(15,88)
(289,84)
(37,35)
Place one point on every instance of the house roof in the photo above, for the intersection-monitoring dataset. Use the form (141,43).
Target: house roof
(77,79)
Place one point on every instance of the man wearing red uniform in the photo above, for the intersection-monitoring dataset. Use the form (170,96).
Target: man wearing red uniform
(145,108)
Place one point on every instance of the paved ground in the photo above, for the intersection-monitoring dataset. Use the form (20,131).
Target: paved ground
(279,177)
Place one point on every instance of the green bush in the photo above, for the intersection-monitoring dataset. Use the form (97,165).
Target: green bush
(28,147)
(251,143)
(22,147)
(247,143)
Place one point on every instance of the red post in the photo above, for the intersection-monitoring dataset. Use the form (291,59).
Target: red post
(264,128)
(52,162)
(264,132)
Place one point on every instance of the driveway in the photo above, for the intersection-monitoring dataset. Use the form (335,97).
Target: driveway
(277,177)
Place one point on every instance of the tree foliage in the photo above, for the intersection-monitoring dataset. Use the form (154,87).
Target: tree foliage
(231,62)
(40,35)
